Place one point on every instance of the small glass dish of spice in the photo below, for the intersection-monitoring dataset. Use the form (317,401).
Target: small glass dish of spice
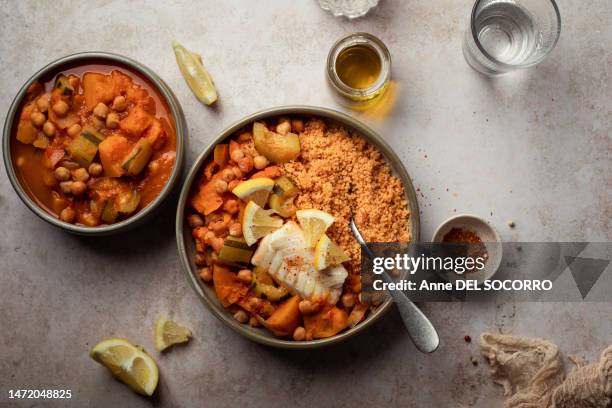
(358,69)
(480,239)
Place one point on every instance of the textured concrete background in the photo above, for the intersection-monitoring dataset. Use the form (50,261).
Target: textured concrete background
(534,147)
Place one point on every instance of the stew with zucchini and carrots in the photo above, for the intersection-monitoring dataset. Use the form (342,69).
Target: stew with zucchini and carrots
(94,145)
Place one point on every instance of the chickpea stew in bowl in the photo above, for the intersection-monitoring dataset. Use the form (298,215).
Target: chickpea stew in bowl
(268,212)
(95,142)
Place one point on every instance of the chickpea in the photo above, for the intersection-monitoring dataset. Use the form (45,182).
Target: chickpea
(297,125)
(237,172)
(241,316)
(377,299)
(95,169)
(348,300)
(236,155)
(37,119)
(194,221)
(42,103)
(78,188)
(299,333)
(227,175)
(283,127)
(235,230)
(89,219)
(211,258)
(61,108)
(231,206)
(245,276)
(66,186)
(112,120)
(62,174)
(221,186)
(217,244)
(260,162)
(49,129)
(200,260)
(253,322)
(209,237)
(219,227)
(153,166)
(119,103)
(245,164)
(206,274)
(80,174)
(306,307)
(97,122)
(74,130)
(67,215)
(101,110)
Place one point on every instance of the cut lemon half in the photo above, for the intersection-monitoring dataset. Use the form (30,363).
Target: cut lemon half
(255,190)
(257,223)
(197,78)
(314,224)
(129,363)
(169,333)
(328,253)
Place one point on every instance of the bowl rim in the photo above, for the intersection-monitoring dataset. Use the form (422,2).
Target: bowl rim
(181,138)
(194,171)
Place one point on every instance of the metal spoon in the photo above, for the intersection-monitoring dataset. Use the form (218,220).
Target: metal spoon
(420,329)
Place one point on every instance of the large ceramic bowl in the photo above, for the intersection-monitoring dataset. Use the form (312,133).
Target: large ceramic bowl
(186,245)
(73,60)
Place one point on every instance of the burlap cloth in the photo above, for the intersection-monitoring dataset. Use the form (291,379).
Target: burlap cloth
(533,376)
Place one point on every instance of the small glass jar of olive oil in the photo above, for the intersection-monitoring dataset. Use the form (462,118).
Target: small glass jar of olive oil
(358,68)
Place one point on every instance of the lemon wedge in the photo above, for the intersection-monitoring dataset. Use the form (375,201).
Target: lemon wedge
(198,79)
(256,190)
(129,363)
(314,224)
(328,253)
(169,333)
(257,223)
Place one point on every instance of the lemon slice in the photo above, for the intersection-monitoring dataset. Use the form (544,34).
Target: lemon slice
(328,253)
(169,333)
(129,363)
(256,190)
(314,224)
(198,79)
(257,223)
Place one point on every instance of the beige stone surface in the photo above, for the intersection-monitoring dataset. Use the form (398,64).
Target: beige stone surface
(534,147)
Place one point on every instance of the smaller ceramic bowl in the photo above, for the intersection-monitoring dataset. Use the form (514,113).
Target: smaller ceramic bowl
(76,60)
(489,236)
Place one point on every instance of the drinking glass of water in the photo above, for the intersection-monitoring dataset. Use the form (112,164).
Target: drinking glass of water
(505,35)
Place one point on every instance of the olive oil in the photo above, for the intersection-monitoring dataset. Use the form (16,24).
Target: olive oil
(358,70)
(358,66)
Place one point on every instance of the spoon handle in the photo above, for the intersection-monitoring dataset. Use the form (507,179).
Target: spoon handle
(419,327)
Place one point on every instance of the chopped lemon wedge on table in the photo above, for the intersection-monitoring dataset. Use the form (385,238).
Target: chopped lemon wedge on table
(169,333)
(328,253)
(257,223)
(256,190)
(198,79)
(129,363)
(314,223)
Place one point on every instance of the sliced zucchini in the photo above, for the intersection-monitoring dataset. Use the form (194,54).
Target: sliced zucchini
(284,187)
(127,202)
(109,212)
(63,84)
(84,147)
(263,285)
(138,158)
(235,252)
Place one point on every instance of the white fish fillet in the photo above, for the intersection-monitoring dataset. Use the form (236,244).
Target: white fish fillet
(285,256)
